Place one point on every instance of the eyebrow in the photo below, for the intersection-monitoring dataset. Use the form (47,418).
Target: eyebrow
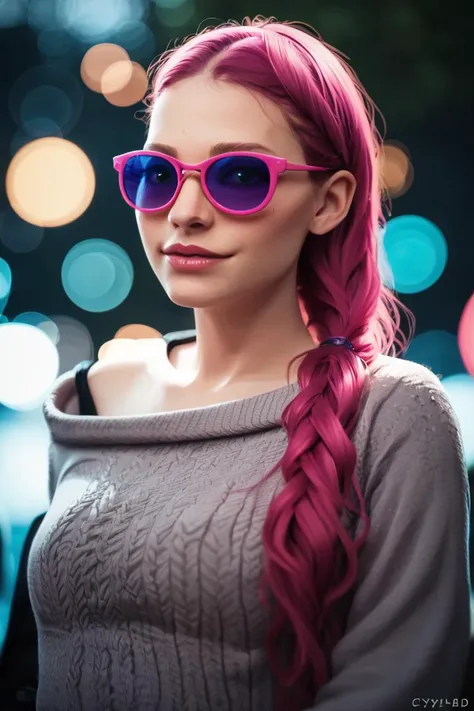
(222,147)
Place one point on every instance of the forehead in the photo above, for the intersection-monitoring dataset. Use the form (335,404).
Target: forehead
(198,112)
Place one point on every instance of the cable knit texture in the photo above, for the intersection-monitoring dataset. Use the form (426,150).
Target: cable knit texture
(144,573)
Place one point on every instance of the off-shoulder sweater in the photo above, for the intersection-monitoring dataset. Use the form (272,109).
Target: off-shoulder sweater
(144,573)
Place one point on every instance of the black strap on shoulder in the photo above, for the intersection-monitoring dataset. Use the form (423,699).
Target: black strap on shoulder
(175,337)
(86,403)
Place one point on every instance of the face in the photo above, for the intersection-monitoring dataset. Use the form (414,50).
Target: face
(192,116)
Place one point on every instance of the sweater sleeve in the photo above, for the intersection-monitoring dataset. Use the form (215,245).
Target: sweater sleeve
(408,631)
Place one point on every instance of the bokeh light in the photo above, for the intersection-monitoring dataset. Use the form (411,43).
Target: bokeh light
(97,60)
(466,336)
(417,252)
(43,15)
(460,390)
(385,269)
(46,93)
(45,108)
(396,169)
(437,350)
(7,561)
(89,20)
(116,77)
(17,235)
(97,275)
(174,13)
(86,21)
(50,182)
(134,87)
(74,342)
(54,42)
(5,283)
(39,127)
(41,321)
(24,465)
(30,365)
(12,13)
(138,39)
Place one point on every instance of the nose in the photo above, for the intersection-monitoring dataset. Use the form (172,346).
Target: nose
(191,204)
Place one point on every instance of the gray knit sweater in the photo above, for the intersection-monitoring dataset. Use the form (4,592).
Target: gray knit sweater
(144,573)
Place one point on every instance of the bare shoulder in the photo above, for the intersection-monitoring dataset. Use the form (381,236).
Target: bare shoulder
(120,382)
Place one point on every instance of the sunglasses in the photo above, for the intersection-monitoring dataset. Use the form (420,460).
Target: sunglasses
(237,183)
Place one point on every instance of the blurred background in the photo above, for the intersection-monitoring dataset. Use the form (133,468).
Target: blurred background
(73,275)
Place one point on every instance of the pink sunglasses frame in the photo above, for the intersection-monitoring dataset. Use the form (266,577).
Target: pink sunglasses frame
(276,167)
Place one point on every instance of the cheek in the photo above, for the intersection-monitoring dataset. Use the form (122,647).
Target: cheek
(280,235)
(149,230)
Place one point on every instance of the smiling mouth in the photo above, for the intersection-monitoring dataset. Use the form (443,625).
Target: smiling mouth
(194,256)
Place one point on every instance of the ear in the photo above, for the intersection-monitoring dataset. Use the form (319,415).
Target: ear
(334,199)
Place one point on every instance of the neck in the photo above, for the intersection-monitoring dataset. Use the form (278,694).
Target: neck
(249,345)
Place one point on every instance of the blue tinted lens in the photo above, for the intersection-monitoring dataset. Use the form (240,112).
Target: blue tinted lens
(239,182)
(149,181)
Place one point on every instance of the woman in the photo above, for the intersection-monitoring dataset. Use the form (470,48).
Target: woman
(273,515)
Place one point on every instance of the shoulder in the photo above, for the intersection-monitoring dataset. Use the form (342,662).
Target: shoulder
(124,373)
(396,382)
(407,417)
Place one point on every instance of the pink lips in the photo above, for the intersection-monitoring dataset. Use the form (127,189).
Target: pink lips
(183,263)
(190,250)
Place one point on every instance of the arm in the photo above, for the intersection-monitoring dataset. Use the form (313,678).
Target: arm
(408,632)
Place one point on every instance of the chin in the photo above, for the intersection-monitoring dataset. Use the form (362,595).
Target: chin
(194,298)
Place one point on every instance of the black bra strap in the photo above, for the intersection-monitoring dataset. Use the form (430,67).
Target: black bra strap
(86,403)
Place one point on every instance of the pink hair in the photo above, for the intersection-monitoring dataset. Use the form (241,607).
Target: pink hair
(311,560)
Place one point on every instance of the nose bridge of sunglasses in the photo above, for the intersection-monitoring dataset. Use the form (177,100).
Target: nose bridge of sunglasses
(189,173)
(186,173)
